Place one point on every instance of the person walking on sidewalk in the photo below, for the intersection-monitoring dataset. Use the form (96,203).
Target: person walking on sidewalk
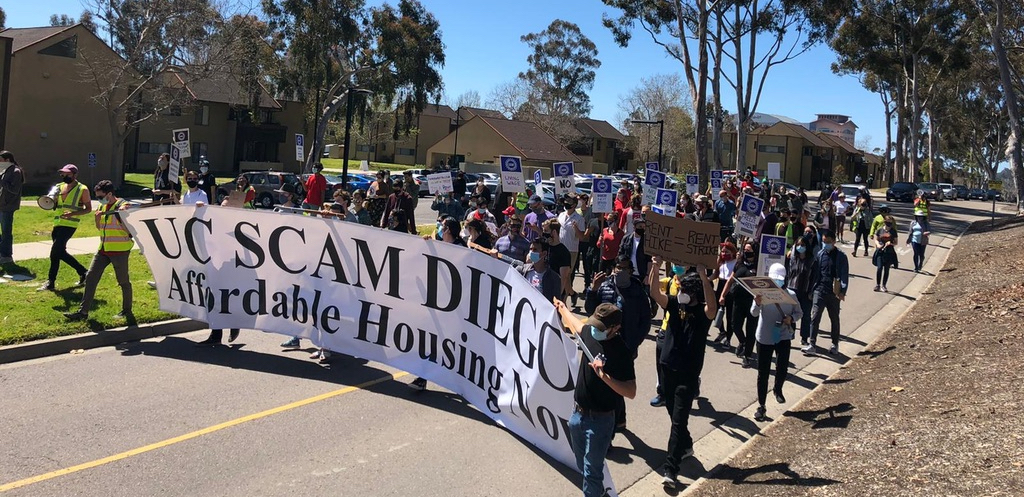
(602,383)
(12,178)
(799,266)
(830,279)
(72,202)
(740,323)
(918,239)
(115,246)
(860,223)
(682,357)
(775,331)
(885,252)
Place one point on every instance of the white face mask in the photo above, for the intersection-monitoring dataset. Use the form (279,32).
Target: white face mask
(204,169)
(162,163)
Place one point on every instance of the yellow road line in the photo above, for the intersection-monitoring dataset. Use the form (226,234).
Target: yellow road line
(195,434)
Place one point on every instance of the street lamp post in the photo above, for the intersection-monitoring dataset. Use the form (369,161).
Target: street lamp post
(661,133)
(455,148)
(348,130)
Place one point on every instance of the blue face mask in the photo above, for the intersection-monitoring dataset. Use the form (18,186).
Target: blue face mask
(534,256)
(801,249)
(678,270)
(781,283)
(440,225)
(828,246)
(598,335)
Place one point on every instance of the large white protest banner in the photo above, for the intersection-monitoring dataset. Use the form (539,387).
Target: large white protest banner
(466,321)
(512,174)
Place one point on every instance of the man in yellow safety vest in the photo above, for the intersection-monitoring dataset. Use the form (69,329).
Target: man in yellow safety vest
(115,245)
(72,202)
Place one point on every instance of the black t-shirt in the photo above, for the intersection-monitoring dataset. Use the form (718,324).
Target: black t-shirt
(208,184)
(683,347)
(740,294)
(559,257)
(592,392)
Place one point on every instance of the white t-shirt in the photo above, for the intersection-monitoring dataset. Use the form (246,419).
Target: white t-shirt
(725,270)
(191,197)
(567,233)
(840,207)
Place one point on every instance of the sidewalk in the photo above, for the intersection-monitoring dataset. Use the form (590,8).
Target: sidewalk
(41,250)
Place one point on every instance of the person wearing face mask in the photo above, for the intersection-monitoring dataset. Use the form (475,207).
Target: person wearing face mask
(479,235)
(480,212)
(726,266)
(601,384)
(830,279)
(164,186)
(632,246)
(12,179)
(357,210)
(194,195)
(704,212)
(286,197)
(608,242)
(670,286)
(539,273)
(799,263)
(207,181)
(399,214)
(115,246)
(775,325)
(886,239)
(559,256)
(860,224)
(242,185)
(535,218)
(572,230)
(628,220)
(726,209)
(446,205)
(626,291)
(513,246)
(682,357)
(316,187)
(72,201)
(918,239)
(740,323)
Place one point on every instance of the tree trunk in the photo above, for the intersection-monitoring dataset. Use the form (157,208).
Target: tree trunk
(716,91)
(698,85)
(1013,144)
(915,122)
(932,173)
(901,155)
(887,167)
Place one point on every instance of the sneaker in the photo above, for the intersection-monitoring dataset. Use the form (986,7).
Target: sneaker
(779,398)
(834,350)
(657,401)
(325,356)
(759,414)
(45,287)
(803,341)
(748,362)
(668,481)
(76,316)
(125,315)
(81,279)
(233,335)
(419,384)
(809,349)
(884,289)
(878,287)
(739,351)
(865,253)
(291,343)
(855,253)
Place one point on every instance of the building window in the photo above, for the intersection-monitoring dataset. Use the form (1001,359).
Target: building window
(203,115)
(154,148)
(198,150)
(824,130)
(771,149)
(406,151)
(808,151)
(366,148)
(65,48)
(597,144)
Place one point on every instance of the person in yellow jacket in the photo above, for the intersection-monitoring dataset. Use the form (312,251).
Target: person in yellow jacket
(72,202)
(115,245)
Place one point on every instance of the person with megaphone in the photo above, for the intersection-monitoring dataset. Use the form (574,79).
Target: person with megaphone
(71,202)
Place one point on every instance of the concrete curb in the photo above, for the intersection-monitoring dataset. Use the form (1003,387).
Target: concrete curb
(105,338)
(729,440)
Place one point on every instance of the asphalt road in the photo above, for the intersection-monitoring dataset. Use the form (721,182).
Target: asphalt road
(164,417)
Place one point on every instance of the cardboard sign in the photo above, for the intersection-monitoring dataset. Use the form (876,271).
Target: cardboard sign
(750,215)
(181,142)
(440,183)
(766,288)
(772,251)
(235,199)
(774,170)
(300,145)
(692,184)
(667,200)
(652,166)
(603,195)
(564,177)
(653,181)
(512,174)
(682,241)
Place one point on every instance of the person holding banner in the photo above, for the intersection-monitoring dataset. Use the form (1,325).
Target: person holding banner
(115,246)
(606,376)
(774,334)
(608,243)
(207,181)
(72,202)
(538,273)
(682,357)
(399,213)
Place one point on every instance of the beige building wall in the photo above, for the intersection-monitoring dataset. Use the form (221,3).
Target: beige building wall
(477,142)
(51,117)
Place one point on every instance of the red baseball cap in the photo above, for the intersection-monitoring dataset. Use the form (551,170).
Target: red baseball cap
(70,168)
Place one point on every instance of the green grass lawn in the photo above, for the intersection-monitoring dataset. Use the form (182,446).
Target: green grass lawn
(336,165)
(31,315)
(32,224)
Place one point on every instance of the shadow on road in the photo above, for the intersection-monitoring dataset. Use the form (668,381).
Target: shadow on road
(776,474)
(825,418)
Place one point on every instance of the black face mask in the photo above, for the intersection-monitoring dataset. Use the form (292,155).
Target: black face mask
(749,255)
(192,183)
(640,232)
(67,179)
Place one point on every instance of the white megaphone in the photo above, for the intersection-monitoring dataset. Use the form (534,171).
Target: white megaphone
(49,201)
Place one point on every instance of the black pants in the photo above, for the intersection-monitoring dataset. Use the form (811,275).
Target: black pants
(59,252)
(586,259)
(743,325)
(862,232)
(764,367)
(825,300)
(657,361)
(918,255)
(882,275)
(680,389)
(218,334)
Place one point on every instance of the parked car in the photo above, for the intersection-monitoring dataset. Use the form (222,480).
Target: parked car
(901,191)
(931,191)
(788,186)
(994,195)
(961,192)
(948,192)
(266,183)
(548,197)
(358,181)
(852,191)
(977,193)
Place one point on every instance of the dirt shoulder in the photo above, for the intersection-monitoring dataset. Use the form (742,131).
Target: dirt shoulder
(934,407)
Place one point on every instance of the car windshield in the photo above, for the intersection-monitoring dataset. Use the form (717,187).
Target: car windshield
(851,192)
(927,185)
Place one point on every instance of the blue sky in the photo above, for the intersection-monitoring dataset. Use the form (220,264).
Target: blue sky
(483,50)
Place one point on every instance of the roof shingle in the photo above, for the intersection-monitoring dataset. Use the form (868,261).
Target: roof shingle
(26,37)
(594,128)
(532,142)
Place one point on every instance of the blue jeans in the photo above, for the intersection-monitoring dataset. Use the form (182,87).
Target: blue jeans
(591,436)
(6,229)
